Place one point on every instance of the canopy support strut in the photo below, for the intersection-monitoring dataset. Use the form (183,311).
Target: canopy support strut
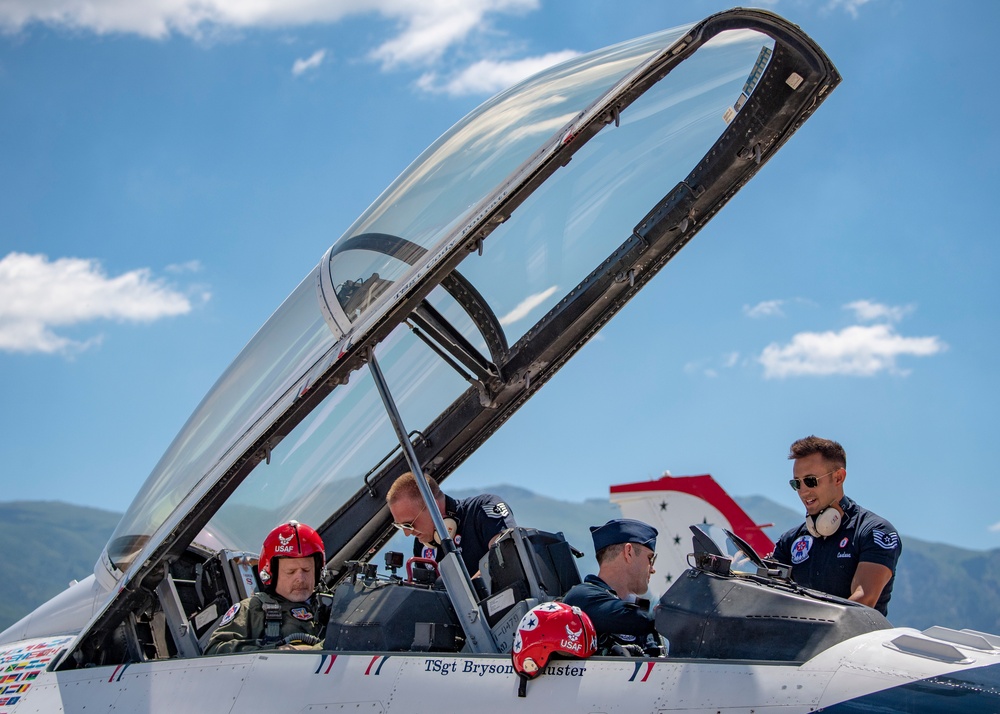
(479,638)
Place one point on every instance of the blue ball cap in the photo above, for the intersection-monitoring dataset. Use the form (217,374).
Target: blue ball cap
(623,530)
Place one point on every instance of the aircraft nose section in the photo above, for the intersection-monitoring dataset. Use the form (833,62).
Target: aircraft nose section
(965,690)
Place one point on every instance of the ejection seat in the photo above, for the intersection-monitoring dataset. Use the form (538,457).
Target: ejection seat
(194,594)
(523,568)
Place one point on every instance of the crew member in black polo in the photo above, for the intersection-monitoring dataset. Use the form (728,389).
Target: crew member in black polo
(626,551)
(473,523)
(841,548)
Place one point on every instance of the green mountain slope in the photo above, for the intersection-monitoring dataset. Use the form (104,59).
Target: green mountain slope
(59,541)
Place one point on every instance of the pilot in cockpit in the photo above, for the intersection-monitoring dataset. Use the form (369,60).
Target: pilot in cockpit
(287,613)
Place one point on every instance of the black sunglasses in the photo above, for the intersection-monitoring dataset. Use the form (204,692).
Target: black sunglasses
(810,481)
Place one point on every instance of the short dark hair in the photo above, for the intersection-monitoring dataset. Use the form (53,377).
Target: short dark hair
(609,552)
(831,450)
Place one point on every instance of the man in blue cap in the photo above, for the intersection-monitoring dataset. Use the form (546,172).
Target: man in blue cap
(626,551)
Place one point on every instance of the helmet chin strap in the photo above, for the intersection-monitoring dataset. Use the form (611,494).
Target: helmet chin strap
(826,522)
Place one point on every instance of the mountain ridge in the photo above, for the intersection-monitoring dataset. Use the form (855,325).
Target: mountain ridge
(936,583)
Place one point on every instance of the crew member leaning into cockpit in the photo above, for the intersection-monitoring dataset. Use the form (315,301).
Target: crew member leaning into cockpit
(473,523)
(286,614)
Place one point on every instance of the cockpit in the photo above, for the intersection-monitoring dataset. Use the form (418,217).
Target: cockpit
(730,604)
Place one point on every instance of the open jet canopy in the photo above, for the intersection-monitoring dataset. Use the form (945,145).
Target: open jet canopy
(464,287)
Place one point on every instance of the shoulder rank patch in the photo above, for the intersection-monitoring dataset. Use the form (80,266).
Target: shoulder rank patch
(886,540)
(497,510)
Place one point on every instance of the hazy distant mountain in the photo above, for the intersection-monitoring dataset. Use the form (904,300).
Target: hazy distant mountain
(45,545)
(936,584)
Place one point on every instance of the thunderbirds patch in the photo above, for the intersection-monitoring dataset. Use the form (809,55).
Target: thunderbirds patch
(800,549)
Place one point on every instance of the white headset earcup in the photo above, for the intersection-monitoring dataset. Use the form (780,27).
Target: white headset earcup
(824,524)
(828,522)
(451,525)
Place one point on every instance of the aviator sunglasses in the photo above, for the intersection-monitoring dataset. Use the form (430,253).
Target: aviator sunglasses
(409,526)
(810,481)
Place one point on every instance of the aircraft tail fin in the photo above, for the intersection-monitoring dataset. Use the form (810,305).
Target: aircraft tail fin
(671,504)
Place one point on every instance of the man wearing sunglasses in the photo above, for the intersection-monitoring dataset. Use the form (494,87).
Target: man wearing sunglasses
(841,548)
(473,523)
(626,552)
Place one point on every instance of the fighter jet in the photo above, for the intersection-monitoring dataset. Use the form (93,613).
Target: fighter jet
(496,255)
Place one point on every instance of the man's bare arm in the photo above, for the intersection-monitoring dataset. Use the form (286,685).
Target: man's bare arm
(868,581)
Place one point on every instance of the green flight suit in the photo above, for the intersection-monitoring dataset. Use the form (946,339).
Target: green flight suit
(245,627)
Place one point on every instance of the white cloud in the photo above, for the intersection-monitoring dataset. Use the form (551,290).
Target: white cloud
(995,528)
(851,6)
(422,31)
(710,367)
(425,29)
(698,367)
(304,65)
(37,296)
(490,76)
(868,311)
(157,19)
(768,308)
(191,266)
(432,26)
(859,351)
(527,305)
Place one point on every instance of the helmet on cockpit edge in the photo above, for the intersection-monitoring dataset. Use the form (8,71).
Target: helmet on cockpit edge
(548,629)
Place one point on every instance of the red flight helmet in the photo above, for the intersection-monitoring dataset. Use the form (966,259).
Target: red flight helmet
(289,540)
(548,629)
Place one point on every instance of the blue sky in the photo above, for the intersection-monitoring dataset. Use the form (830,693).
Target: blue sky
(171,169)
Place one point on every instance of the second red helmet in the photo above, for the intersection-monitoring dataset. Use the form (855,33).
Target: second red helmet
(548,629)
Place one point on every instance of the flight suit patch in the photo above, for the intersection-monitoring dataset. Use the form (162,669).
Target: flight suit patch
(230,614)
